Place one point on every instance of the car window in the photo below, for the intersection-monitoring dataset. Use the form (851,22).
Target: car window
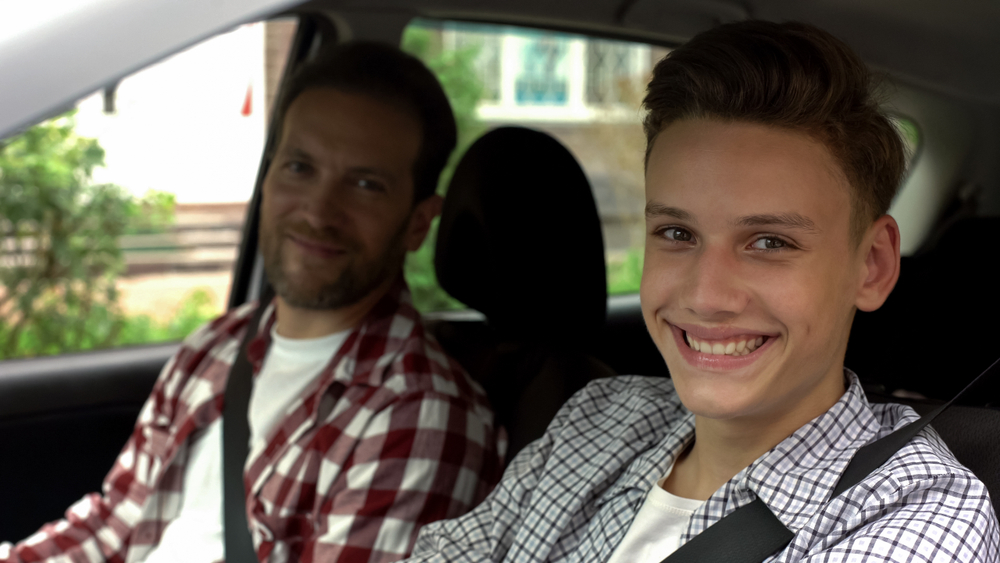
(584,91)
(121,218)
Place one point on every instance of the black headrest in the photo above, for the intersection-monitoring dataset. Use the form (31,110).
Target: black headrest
(938,329)
(520,239)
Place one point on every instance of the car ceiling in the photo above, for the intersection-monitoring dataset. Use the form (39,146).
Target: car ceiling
(951,46)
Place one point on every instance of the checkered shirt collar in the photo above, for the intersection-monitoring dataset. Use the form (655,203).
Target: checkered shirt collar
(794,479)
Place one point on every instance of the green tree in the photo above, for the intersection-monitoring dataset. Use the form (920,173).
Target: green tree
(456,71)
(59,256)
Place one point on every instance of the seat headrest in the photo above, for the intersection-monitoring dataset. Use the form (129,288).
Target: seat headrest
(520,239)
(947,294)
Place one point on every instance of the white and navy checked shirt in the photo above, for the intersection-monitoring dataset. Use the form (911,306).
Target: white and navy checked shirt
(572,494)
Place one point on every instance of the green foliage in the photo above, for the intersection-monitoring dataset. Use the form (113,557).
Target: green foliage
(194,311)
(153,213)
(59,256)
(624,276)
(456,71)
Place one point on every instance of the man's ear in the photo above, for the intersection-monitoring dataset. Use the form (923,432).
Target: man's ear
(880,270)
(421,217)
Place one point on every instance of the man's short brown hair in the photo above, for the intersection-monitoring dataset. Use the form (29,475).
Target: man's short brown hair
(385,73)
(793,76)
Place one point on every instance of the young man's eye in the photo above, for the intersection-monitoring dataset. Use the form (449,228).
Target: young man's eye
(769,243)
(677,234)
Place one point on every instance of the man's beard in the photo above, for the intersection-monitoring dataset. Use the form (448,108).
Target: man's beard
(357,280)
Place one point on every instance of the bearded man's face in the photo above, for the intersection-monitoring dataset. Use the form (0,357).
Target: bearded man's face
(337,210)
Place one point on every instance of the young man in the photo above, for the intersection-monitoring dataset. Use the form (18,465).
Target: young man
(362,429)
(769,171)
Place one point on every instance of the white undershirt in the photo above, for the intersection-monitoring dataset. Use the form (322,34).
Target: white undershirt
(196,535)
(656,530)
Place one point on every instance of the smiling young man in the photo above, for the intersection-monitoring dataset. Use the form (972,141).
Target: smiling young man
(769,172)
(361,428)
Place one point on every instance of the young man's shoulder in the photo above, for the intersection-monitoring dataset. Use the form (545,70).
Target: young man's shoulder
(925,462)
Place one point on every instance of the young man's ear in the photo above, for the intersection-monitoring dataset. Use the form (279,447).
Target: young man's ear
(421,217)
(881,266)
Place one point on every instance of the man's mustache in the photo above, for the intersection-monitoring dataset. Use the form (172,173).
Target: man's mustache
(328,236)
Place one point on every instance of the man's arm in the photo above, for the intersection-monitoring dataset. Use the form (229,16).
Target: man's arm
(425,457)
(98,527)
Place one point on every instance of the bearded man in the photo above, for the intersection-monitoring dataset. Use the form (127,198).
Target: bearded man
(361,428)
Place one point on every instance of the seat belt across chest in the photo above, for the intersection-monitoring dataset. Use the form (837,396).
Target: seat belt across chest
(752,533)
(239,546)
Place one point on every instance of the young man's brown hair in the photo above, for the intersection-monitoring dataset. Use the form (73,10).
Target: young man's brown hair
(793,76)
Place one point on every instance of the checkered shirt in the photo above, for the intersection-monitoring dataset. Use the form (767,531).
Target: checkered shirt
(392,435)
(572,495)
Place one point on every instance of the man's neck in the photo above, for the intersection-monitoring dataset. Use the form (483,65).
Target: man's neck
(301,323)
(723,448)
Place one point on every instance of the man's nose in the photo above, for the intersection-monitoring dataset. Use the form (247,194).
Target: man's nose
(713,287)
(324,204)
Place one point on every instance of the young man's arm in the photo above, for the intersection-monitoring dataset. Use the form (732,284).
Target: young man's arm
(423,458)
(488,532)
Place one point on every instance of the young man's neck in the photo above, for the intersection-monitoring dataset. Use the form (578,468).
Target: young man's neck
(723,448)
(301,323)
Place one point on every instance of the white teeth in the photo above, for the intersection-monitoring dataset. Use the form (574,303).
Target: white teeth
(741,348)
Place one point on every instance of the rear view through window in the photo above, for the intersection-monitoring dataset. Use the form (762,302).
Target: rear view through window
(585,92)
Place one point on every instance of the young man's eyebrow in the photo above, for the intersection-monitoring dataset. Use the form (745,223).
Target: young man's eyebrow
(788,220)
(654,210)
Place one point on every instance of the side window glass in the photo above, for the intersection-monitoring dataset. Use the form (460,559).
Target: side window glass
(120,220)
(584,91)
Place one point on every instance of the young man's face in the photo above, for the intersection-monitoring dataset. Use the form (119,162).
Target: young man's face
(750,275)
(337,216)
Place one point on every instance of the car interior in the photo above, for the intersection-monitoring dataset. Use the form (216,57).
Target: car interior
(520,242)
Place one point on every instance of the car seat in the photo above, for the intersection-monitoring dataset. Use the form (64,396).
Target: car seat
(520,241)
(937,331)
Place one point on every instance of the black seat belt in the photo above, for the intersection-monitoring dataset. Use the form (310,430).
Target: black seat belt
(752,533)
(236,445)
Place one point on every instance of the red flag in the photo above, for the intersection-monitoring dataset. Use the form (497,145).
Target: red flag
(247,102)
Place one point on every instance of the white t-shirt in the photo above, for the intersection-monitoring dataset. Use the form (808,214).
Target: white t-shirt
(290,366)
(656,530)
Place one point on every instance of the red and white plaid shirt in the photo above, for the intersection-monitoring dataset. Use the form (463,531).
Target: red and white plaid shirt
(392,435)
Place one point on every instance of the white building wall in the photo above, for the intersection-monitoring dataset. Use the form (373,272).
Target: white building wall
(178,126)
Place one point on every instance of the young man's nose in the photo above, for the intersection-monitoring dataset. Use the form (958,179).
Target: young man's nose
(712,287)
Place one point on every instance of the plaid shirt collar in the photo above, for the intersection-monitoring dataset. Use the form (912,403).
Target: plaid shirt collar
(377,324)
(817,453)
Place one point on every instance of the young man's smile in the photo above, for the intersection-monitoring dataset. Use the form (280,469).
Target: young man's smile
(750,270)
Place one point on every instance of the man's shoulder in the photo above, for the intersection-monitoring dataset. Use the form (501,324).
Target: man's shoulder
(215,343)
(422,367)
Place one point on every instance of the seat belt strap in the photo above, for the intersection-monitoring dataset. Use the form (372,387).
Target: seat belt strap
(752,533)
(239,546)
(871,456)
